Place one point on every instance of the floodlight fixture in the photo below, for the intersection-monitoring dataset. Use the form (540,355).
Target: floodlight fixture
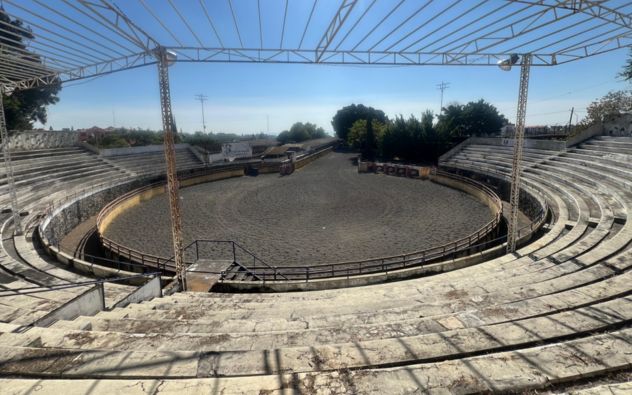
(505,64)
(169,55)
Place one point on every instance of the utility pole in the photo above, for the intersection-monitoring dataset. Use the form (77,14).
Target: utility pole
(202,98)
(164,60)
(516,168)
(442,87)
(267,124)
(570,120)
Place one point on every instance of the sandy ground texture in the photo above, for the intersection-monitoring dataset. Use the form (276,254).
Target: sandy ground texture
(323,213)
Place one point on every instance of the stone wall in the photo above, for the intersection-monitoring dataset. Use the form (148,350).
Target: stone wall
(25,141)
(619,126)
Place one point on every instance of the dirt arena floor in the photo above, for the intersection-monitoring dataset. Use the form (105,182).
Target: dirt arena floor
(323,213)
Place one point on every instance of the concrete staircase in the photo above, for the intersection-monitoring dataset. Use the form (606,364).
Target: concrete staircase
(154,162)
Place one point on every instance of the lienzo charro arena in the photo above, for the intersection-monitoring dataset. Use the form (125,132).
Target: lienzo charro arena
(498,262)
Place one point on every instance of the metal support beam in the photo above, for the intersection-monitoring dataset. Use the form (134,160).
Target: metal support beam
(334,26)
(8,167)
(516,169)
(170,157)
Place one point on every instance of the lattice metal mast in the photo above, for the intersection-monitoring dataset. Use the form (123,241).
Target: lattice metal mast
(518,142)
(8,166)
(172,177)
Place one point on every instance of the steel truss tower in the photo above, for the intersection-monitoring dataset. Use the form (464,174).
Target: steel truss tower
(8,166)
(172,176)
(516,168)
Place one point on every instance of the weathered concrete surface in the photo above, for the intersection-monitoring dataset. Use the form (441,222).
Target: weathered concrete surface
(527,369)
(26,141)
(108,152)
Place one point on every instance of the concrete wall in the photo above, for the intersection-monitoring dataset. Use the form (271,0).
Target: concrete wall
(471,190)
(590,132)
(150,290)
(137,150)
(619,126)
(71,214)
(88,303)
(24,141)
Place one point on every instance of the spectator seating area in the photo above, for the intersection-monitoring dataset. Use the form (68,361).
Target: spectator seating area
(555,313)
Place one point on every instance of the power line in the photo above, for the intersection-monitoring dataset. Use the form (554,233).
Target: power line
(442,87)
(202,98)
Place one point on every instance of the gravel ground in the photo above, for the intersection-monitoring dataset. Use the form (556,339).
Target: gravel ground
(323,213)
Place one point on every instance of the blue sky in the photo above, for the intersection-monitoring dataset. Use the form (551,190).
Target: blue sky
(241,97)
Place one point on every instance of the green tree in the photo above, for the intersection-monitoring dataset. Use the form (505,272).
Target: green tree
(23,107)
(367,136)
(611,105)
(301,132)
(473,119)
(347,116)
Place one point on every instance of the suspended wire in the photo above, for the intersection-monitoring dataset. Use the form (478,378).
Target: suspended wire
(355,24)
(67,49)
(109,26)
(260,29)
(411,16)
(115,31)
(575,45)
(378,24)
(61,27)
(492,23)
(460,28)
(85,27)
(142,2)
(587,43)
(435,16)
(210,21)
(442,26)
(311,13)
(185,23)
(528,30)
(232,11)
(284,19)
(556,32)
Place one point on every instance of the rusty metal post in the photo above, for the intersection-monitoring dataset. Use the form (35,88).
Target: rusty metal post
(164,57)
(516,168)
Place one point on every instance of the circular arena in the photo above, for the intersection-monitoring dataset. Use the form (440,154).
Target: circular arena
(324,213)
(337,278)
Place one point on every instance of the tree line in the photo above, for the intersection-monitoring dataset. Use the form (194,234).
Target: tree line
(412,139)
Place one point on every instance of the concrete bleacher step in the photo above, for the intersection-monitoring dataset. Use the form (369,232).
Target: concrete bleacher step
(383,346)
(528,368)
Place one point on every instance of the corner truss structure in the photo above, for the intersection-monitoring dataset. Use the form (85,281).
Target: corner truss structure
(65,40)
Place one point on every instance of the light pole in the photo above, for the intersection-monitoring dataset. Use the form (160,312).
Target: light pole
(516,168)
(165,59)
